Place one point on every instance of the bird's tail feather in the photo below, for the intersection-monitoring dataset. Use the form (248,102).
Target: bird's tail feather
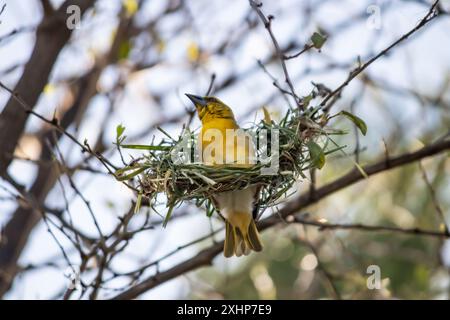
(241,240)
(253,237)
(229,246)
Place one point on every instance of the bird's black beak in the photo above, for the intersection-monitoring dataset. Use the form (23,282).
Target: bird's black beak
(197,100)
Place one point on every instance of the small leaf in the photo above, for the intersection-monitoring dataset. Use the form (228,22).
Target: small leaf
(165,133)
(267,118)
(144,147)
(169,214)
(316,154)
(120,174)
(160,46)
(193,52)
(318,40)
(119,131)
(124,50)
(131,7)
(306,100)
(209,209)
(357,121)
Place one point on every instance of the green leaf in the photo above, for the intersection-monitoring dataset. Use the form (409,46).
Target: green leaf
(357,121)
(209,209)
(119,131)
(306,100)
(121,176)
(267,118)
(145,147)
(163,131)
(169,214)
(318,40)
(131,6)
(124,50)
(316,154)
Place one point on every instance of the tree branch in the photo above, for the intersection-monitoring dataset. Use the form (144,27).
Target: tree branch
(432,13)
(51,36)
(267,21)
(206,256)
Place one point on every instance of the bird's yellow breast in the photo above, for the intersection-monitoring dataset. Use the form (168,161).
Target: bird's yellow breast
(222,142)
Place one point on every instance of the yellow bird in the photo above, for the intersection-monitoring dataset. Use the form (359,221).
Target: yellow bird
(236,207)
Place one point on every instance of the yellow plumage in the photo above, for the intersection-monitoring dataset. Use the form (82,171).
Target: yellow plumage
(222,143)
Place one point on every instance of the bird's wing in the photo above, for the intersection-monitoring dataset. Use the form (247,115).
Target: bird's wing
(243,150)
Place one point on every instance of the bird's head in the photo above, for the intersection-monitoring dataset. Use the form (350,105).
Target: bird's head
(211,108)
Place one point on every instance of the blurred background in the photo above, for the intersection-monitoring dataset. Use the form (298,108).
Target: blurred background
(130,62)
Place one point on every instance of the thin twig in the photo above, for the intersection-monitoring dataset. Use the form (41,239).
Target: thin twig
(369,228)
(267,21)
(211,84)
(432,13)
(434,199)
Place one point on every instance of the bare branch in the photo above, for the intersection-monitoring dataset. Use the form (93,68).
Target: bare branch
(206,256)
(267,21)
(432,13)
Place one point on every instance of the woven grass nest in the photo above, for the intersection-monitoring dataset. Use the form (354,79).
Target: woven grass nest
(305,140)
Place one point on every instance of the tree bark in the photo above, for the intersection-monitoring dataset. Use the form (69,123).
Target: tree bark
(51,36)
(24,219)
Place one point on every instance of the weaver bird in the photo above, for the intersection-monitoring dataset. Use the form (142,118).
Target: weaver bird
(237,207)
